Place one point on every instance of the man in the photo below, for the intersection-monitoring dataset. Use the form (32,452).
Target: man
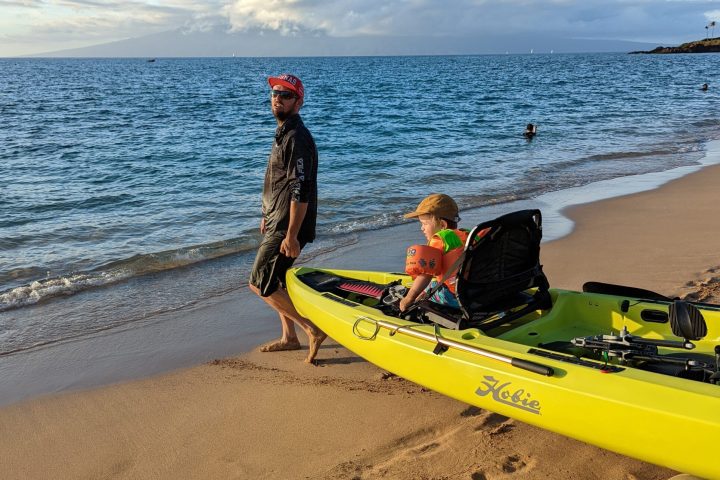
(289,211)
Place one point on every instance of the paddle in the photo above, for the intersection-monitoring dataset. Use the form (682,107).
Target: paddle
(623,291)
(639,293)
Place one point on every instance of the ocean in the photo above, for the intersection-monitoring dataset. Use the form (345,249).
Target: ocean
(129,189)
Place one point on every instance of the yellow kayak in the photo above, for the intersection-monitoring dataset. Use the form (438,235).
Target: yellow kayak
(609,370)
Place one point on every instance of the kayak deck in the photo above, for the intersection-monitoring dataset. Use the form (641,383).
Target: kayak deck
(573,314)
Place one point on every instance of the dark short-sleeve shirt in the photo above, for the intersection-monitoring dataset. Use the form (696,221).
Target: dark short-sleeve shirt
(291,175)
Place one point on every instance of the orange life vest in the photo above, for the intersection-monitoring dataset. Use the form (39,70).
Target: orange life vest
(438,256)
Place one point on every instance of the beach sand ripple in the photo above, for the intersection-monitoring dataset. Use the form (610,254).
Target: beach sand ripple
(706,290)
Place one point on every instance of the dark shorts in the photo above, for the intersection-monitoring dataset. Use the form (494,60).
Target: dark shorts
(268,272)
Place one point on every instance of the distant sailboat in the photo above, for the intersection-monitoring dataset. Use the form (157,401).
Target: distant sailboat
(531,50)
(552,51)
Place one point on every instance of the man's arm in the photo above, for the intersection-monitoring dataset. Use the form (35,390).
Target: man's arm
(290,247)
(300,163)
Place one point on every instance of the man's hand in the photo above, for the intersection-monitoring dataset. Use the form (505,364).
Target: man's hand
(262,226)
(290,247)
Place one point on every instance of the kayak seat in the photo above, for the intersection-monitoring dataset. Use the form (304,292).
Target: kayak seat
(451,317)
(443,315)
(500,278)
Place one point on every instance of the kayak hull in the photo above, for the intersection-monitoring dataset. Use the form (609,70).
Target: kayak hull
(626,410)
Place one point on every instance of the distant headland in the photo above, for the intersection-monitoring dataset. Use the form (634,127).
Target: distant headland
(707,45)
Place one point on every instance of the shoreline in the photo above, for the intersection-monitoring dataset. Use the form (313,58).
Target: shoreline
(260,415)
(214,327)
(667,239)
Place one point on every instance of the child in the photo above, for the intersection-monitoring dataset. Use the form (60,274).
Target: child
(428,264)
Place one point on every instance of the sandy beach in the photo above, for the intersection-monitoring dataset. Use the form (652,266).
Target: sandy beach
(270,416)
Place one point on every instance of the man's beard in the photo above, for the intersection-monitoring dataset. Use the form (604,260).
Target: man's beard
(281,115)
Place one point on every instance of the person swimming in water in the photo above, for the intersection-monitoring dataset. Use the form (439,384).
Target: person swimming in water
(704,87)
(530,131)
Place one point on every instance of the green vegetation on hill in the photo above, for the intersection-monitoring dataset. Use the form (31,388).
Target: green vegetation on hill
(698,46)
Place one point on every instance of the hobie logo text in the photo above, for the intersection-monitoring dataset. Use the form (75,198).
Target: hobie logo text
(503,393)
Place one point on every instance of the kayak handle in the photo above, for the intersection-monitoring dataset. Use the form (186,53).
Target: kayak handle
(531,366)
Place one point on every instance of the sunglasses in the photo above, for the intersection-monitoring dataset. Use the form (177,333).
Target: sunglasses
(283,94)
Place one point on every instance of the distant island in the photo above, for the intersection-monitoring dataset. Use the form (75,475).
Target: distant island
(708,45)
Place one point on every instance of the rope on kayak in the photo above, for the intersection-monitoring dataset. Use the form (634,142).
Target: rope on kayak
(393,331)
(359,335)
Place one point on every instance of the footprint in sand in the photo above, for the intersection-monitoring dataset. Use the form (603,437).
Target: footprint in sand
(514,464)
(492,423)
(511,465)
(426,448)
(500,429)
(471,412)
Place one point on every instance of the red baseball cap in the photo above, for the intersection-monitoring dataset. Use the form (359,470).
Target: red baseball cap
(290,81)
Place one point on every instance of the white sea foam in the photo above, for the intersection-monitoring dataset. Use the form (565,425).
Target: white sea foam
(40,290)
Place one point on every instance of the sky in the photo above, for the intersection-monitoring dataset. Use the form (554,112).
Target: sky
(30,27)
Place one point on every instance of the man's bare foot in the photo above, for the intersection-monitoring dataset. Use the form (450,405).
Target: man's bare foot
(315,340)
(281,345)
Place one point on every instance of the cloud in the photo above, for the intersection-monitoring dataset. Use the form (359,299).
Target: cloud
(43,25)
(294,16)
(101,20)
(20,3)
(712,15)
(626,19)
(344,18)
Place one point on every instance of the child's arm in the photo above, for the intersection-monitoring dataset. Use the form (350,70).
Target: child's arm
(421,282)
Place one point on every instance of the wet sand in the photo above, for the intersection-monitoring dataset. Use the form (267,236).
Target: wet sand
(268,415)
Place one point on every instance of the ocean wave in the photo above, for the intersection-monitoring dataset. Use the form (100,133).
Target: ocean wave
(89,203)
(53,287)
(117,271)
(628,155)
